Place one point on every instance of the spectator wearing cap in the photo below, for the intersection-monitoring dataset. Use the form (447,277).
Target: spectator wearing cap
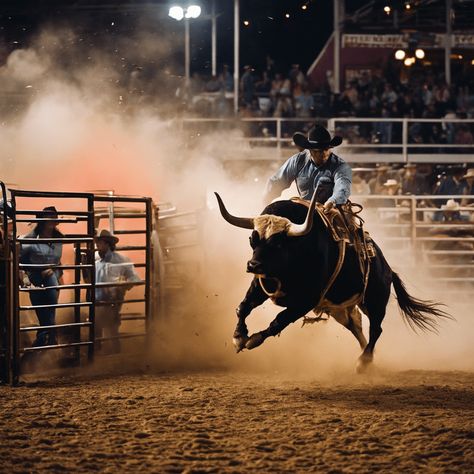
(314,169)
(110,267)
(47,276)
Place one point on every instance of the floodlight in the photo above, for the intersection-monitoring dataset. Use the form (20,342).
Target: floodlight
(419,53)
(177,13)
(193,11)
(400,54)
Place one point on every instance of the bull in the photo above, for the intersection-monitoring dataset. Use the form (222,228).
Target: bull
(293,260)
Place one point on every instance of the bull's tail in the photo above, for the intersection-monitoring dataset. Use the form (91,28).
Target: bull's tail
(417,313)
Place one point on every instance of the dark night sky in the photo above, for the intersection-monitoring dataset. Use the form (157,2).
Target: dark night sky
(286,40)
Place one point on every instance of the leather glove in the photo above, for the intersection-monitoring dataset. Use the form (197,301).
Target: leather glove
(328,205)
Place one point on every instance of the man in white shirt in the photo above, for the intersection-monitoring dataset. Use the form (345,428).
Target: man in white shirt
(111,267)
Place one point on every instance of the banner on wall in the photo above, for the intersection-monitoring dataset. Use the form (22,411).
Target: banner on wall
(426,40)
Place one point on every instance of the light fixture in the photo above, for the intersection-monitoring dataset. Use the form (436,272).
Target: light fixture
(407,6)
(400,54)
(287,15)
(304,7)
(246,22)
(419,53)
(177,13)
(409,61)
(387,9)
(193,11)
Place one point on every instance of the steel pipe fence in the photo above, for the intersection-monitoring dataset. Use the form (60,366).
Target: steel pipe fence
(118,210)
(365,140)
(417,233)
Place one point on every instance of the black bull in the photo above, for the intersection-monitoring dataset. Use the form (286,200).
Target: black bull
(295,257)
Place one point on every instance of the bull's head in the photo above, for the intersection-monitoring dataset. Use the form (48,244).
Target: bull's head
(269,239)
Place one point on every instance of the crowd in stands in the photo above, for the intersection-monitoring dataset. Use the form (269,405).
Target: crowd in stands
(388,94)
(397,183)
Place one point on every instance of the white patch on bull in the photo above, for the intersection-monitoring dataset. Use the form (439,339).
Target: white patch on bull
(268,225)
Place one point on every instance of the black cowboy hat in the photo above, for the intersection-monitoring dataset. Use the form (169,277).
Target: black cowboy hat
(49,212)
(106,235)
(318,138)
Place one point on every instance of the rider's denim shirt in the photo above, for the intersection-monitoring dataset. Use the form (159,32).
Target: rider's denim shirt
(333,179)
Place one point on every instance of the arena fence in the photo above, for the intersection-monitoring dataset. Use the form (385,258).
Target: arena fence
(79,216)
(421,233)
(366,140)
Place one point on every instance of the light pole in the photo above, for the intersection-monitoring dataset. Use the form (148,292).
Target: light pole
(179,13)
(236,55)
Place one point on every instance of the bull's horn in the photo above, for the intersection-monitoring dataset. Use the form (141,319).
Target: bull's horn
(298,230)
(244,222)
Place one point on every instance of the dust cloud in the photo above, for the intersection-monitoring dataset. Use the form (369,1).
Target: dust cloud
(80,126)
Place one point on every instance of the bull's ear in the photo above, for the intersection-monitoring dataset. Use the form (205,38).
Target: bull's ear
(254,239)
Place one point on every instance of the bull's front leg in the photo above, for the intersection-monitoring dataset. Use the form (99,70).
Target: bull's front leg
(283,319)
(253,298)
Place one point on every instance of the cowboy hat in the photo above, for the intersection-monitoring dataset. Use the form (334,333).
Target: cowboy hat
(106,235)
(451,205)
(49,212)
(318,138)
(391,182)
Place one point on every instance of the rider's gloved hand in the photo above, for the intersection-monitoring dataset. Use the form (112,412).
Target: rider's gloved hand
(328,205)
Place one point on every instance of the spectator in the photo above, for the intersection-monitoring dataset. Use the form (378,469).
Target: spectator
(47,277)
(247,86)
(412,182)
(304,103)
(226,79)
(110,267)
(464,137)
(469,189)
(376,184)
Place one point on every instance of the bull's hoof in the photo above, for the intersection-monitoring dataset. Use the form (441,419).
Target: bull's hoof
(239,342)
(363,364)
(254,341)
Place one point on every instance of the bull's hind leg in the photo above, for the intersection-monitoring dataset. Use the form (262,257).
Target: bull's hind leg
(254,297)
(375,308)
(351,318)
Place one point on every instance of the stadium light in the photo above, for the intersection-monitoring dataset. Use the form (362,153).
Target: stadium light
(400,54)
(177,13)
(419,53)
(193,11)
(187,13)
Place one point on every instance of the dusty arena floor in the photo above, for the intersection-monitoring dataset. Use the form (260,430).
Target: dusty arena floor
(411,421)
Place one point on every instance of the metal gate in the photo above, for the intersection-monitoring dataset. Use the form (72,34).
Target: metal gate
(79,215)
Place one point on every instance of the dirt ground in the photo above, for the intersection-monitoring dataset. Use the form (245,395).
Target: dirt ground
(408,421)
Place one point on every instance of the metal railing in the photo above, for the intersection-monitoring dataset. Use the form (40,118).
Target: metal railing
(363,142)
(417,232)
(81,314)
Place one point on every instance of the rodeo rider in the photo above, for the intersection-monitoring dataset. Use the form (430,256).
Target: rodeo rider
(316,167)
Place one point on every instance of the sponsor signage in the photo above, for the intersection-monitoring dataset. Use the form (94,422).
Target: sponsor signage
(404,41)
